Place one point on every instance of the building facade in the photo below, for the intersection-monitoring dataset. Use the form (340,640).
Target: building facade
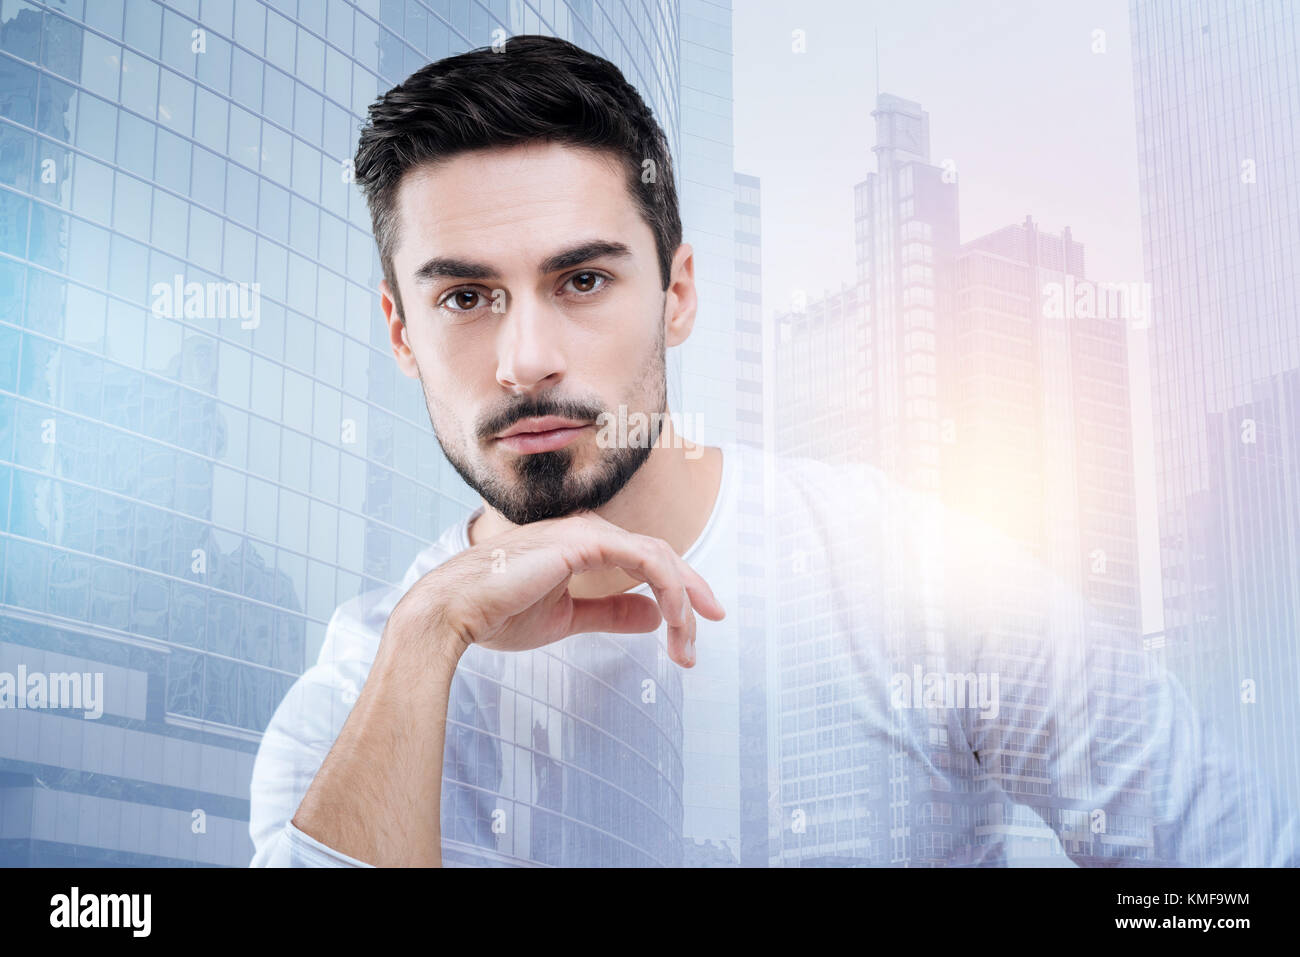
(1218,110)
(205,446)
(1038,445)
(945,367)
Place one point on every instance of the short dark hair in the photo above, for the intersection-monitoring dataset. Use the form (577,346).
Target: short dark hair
(539,89)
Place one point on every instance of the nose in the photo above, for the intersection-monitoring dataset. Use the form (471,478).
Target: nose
(529,347)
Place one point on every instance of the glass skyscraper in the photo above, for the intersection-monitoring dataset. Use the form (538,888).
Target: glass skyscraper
(1218,116)
(205,446)
(943,367)
(708,398)
(754,569)
(1039,446)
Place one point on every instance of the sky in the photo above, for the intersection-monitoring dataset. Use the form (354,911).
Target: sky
(1032,104)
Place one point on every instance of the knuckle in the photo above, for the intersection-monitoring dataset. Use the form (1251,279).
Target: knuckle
(585,524)
(591,520)
(649,549)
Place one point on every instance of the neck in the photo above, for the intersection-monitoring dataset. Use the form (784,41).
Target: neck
(671,496)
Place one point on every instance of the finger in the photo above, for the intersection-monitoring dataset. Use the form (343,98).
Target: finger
(680,636)
(698,593)
(681,643)
(646,559)
(626,613)
(701,595)
(677,587)
(662,573)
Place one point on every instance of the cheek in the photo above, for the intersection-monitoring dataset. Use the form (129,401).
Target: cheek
(618,355)
(452,367)
(465,359)
(456,392)
(440,394)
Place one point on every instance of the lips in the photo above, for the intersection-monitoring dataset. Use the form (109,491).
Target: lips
(541,434)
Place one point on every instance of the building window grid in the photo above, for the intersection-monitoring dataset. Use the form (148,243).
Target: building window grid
(192,143)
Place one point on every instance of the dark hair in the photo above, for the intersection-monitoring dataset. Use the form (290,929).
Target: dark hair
(539,89)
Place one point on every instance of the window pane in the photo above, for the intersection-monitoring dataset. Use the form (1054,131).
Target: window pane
(139,84)
(176,102)
(101,65)
(143,26)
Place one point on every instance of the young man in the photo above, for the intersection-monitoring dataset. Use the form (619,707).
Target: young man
(526,669)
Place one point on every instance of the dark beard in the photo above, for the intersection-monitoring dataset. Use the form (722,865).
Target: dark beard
(545,487)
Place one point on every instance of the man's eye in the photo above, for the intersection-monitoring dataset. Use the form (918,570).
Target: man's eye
(586,283)
(456,300)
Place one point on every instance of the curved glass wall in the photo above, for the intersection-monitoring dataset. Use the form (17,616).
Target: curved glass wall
(205,446)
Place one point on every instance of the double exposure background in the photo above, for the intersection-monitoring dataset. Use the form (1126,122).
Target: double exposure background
(189,485)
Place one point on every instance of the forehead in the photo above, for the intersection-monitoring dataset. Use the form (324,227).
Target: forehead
(514,201)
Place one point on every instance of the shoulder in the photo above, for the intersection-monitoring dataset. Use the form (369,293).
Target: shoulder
(357,624)
(309,718)
(853,523)
(803,474)
(321,697)
(826,505)
(855,498)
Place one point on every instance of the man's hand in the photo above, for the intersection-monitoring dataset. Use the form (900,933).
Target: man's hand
(376,795)
(512,594)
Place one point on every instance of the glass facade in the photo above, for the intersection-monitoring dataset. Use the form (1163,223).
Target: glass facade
(753,350)
(205,446)
(941,368)
(1218,123)
(706,395)
(1040,447)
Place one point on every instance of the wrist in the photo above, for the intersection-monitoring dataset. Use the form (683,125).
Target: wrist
(425,631)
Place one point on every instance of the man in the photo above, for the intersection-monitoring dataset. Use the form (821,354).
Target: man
(527,691)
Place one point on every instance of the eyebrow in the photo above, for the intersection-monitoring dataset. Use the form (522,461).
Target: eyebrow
(449,267)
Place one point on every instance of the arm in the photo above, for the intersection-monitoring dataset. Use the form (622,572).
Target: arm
(1127,762)
(293,747)
(376,795)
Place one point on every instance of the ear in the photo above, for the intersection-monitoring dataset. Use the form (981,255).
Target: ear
(397,334)
(680,300)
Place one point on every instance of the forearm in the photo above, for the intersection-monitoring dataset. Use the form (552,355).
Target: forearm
(377,794)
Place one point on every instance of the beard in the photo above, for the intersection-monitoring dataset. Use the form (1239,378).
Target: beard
(547,484)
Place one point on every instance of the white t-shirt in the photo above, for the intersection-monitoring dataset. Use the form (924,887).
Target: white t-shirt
(892,685)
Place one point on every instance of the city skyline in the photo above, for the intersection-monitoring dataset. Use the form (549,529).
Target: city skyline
(1025,294)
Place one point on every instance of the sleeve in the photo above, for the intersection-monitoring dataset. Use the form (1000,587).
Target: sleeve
(299,736)
(1097,737)
(1207,812)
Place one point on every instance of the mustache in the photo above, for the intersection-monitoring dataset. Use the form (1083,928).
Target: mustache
(529,408)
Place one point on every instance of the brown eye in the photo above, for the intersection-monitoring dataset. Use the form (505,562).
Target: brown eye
(589,282)
(462,300)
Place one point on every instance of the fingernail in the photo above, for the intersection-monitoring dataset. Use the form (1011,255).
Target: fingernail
(690,650)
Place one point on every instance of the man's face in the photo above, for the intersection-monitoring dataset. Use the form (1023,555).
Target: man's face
(533,303)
